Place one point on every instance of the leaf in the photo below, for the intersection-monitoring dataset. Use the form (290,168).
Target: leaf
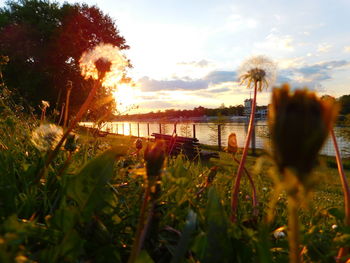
(218,248)
(185,240)
(336,213)
(87,187)
(144,258)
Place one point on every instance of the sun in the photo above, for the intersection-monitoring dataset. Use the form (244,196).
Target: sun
(125,97)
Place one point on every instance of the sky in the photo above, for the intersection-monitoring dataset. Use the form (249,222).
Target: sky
(186,54)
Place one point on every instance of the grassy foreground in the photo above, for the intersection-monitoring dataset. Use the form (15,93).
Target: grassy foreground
(86,206)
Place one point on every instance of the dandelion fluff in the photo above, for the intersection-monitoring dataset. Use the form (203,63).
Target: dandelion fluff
(117,63)
(257,69)
(46,137)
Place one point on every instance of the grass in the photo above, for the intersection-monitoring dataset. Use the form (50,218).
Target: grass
(86,207)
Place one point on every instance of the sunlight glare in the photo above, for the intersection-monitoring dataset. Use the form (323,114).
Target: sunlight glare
(125,97)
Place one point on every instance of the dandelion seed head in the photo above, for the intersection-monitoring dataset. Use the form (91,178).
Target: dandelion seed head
(105,61)
(46,136)
(45,104)
(257,69)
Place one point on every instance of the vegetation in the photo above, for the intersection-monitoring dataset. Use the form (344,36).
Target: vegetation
(87,206)
(44,42)
(68,196)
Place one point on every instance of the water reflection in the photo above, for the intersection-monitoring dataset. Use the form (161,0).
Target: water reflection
(207,133)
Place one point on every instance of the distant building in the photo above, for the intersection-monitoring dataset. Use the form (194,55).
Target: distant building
(247,107)
(259,114)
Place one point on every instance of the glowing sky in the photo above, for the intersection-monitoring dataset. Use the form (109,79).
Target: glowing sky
(186,53)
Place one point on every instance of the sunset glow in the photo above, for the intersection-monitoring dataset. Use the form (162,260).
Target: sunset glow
(126,97)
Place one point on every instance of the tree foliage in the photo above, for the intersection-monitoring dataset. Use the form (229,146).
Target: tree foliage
(44,41)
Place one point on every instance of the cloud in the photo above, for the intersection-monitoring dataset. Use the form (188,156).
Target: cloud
(216,77)
(212,78)
(276,42)
(148,84)
(200,64)
(311,75)
(324,47)
(347,49)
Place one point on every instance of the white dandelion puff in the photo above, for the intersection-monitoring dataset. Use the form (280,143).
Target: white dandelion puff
(46,137)
(257,69)
(104,61)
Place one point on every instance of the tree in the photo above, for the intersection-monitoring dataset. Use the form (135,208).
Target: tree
(345,104)
(44,42)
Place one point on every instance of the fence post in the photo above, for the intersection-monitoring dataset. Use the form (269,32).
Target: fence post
(175,128)
(194,130)
(219,136)
(138,129)
(160,128)
(148,130)
(123,129)
(130,128)
(117,128)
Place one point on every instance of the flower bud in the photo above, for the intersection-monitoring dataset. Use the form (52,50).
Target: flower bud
(154,157)
(232,144)
(138,144)
(299,124)
(71,143)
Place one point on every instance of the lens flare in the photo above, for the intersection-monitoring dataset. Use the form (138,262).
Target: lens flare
(125,97)
(108,53)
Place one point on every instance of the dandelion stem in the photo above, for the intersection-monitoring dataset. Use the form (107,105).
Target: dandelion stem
(293,230)
(78,117)
(67,104)
(254,198)
(234,197)
(342,251)
(137,242)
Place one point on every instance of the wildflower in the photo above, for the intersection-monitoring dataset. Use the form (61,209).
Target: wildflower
(232,144)
(257,72)
(46,136)
(278,233)
(299,124)
(45,104)
(258,69)
(104,62)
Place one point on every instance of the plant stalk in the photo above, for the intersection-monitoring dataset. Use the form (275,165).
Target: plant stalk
(136,247)
(234,196)
(293,230)
(342,251)
(83,109)
(254,195)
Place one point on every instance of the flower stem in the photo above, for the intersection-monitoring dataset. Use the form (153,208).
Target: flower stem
(342,251)
(137,242)
(293,230)
(254,195)
(234,196)
(78,117)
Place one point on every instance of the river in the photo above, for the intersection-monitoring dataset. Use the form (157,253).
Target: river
(207,133)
